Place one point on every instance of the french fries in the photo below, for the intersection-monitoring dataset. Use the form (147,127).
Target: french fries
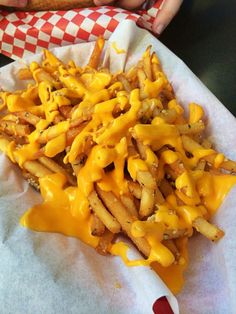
(129,203)
(135,189)
(124,218)
(96,55)
(129,159)
(27,117)
(11,128)
(105,243)
(108,220)
(97,226)
(210,231)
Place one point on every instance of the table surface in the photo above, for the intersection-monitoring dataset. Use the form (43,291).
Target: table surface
(203,35)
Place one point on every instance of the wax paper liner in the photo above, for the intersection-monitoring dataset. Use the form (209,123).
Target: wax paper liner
(26,33)
(50,273)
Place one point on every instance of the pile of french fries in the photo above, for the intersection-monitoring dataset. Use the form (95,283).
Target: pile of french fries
(51,128)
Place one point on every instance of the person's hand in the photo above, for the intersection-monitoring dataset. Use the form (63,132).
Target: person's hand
(126,4)
(166,14)
(14,3)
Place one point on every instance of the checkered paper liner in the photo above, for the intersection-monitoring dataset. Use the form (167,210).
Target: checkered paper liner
(26,33)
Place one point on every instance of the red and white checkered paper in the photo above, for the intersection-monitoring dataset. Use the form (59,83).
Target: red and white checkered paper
(27,33)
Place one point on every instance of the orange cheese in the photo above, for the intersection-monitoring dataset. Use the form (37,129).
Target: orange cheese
(117,50)
(66,209)
(54,214)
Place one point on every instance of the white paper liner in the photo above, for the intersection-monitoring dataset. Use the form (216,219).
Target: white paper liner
(50,273)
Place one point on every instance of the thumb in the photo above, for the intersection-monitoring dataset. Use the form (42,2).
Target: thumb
(166,14)
(103,2)
(14,3)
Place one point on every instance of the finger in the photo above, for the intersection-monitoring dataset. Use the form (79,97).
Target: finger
(14,3)
(130,4)
(166,14)
(103,2)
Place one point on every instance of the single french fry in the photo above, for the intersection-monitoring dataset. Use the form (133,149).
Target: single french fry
(228,165)
(168,115)
(147,202)
(51,59)
(32,180)
(131,75)
(99,209)
(125,82)
(78,163)
(141,79)
(36,169)
(191,128)
(145,179)
(97,226)
(170,244)
(201,165)
(28,117)
(135,189)
(55,167)
(105,243)
(174,233)
(12,128)
(125,219)
(207,229)
(147,64)
(156,66)
(128,202)
(96,54)
(3,102)
(143,151)
(189,144)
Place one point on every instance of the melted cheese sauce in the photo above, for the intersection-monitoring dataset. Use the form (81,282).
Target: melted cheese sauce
(117,50)
(54,214)
(66,209)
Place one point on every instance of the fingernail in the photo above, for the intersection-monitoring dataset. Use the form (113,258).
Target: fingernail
(160,28)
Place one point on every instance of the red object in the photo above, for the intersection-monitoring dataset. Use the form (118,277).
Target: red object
(162,306)
(26,33)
